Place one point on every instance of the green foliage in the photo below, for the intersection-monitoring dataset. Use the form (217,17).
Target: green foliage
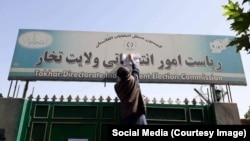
(240,24)
(247,115)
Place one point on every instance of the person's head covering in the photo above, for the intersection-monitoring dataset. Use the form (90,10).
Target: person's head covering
(123,72)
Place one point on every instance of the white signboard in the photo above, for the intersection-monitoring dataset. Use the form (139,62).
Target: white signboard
(95,56)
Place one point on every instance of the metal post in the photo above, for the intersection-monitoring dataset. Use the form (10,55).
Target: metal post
(15,89)
(230,96)
(212,90)
(10,88)
(25,88)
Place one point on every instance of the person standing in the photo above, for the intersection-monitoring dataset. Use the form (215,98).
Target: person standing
(127,88)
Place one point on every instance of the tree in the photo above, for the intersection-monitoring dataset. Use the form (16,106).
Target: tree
(240,24)
(247,115)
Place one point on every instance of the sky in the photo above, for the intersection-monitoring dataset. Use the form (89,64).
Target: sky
(135,16)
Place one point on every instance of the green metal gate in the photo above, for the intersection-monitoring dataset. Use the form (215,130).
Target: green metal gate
(60,121)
